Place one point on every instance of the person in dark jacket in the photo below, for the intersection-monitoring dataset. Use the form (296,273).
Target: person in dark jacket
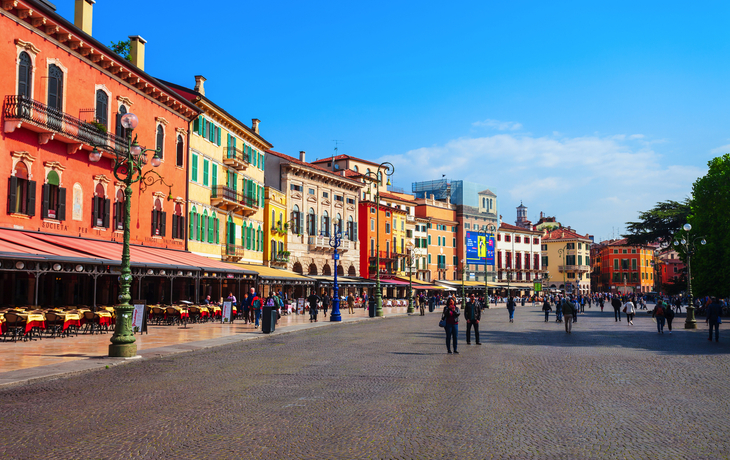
(714,311)
(472,314)
(313,300)
(658,314)
(568,311)
(616,304)
(669,316)
(325,303)
(511,309)
(547,309)
(451,317)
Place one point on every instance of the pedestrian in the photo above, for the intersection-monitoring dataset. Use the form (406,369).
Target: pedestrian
(325,303)
(547,309)
(658,314)
(350,304)
(450,317)
(364,300)
(575,302)
(511,309)
(714,310)
(568,310)
(630,311)
(616,304)
(472,314)
(313,300)
(255,307)
(669,316)
(422,304)
(601,303)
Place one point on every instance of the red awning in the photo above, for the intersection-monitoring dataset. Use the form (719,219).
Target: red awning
(395,282)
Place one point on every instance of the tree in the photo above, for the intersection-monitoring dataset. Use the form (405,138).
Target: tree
(659,223)
(121,48)
(711,219)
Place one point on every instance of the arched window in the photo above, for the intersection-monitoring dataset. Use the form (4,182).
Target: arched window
(100,207)
(272,246)
(160,141)
(102,107)
(273,219)
(338,223)
(351,235)
(119,210)
(325,224)
(380,177)
(247,235)
(25,75)
(296,219)
(178,223)
(20,191)
(312,223)
(55,87)
(193,224)
(355,168)
(204,222)
(259,240)
(121,131)
(158,219)
(281,219)
(180,150)
(231,231)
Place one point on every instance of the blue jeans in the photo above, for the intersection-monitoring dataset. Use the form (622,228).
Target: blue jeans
(558,314)
(547,314)
(660,324)
(511,314)
(716,326)
(452,330)
(257,312)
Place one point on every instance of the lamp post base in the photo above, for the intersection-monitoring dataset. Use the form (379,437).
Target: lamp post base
(122,350)
(690,322)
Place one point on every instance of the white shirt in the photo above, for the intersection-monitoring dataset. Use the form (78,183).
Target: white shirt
(629,306)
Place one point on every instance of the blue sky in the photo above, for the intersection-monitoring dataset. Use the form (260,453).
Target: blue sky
(584,110)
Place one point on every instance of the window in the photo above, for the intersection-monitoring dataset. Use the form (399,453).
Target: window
(615,251)
(55,89)
(206,168)
(633,251)
(338,224)
(310,191)
(570,246)
(119,210)
(102,107)
(296,220)
(351,229)
(372,210)
(180,151)
(570,260)
(454,245)
(543,247)
(518,239)
(429,258)
(350,201)
(624,264)
(387,213)
(615,264)
(325,224)
(580,246)
(429,240)
(467,226)
(439,241)
(121,131)
(54,198)
(633,264)
(21,196)
(339,198)
(536,241)
(160,145)
(544,261)
(25,75)
(580,260)
(387,227)
(625,251)
(372,225)
(295,188)
(311,222)
(158,219)
(325,194)
(194,169)
(507,238)
(499,237)
(100,208)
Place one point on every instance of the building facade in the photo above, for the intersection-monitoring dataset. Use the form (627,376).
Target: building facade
(474,219)
(441,254)
(519,255)
(319,203)
(566,256)
(276,228)
(226,192)
(624,268)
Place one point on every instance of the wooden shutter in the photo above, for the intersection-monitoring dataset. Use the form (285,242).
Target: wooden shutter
(12,193)
(163,216)
(217,232)
(219,136)
(45,192)
(174,225)
(196,125)
(206,165)
(191,231)
(195,169)
(154,222)
(214,172)
(31,198)
(61,214)
(107,204)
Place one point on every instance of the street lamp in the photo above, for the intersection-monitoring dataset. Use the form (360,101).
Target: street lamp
(127,168)
(463,273)
(689,245)
(410,257)
(561,253)
(483,233)
(335,242)
(377,178)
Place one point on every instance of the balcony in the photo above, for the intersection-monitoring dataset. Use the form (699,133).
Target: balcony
(235,158)
(384,255)
(322,243)
(231,252)
(574,268)
(281,258)
(228,199)
(441,266)
(50,123)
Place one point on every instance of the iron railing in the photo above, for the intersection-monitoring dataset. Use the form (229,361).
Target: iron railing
(226,193)
(234,153)
(22,108)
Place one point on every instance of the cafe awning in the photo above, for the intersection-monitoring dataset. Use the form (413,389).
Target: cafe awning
(270,275)
(343,281)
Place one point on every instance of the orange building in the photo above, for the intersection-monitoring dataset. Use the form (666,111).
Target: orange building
(441,255)
(384,220)
(623,268)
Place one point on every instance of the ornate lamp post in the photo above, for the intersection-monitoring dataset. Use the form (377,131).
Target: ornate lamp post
(335,242)
(483,232)
(377,178)
(463,273)
(689,244)
(127,168)
(561,253)
(411,257)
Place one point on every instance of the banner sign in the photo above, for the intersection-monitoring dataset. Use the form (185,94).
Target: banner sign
(139,317)
(538,287)
(479,249)
(227,311)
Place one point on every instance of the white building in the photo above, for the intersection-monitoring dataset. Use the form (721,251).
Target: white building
(519,259)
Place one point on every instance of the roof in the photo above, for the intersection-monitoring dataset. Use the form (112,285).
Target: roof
(487,192)
(392,196)
(514,228)
(193,96)
(563,234)
(351,173)
(313,166)
(345,157)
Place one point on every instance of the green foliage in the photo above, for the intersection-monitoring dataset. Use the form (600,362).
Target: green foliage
(659,223)
(711,219)
(121,48)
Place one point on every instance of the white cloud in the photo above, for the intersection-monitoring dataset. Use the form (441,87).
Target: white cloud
(721,150)
(591,183)
(498,125)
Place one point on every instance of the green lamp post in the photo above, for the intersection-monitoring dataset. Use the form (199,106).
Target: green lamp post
(377,179)
(128,164)
(410,257)
(689,245)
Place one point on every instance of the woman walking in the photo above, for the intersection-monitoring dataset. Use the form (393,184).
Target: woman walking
(669,316)
(511,309)
(450,316)
(546,308)
(630,311)
(658,313)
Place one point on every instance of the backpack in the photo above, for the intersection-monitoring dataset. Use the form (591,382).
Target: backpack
(270,302)
(659,311)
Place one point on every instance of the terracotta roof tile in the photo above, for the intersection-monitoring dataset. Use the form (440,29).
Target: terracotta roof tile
(310,165)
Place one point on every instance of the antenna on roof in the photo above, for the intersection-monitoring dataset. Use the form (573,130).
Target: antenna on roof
(337,143)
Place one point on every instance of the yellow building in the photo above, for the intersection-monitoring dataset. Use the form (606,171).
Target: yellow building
(226,183)
(275,228)
(566,257)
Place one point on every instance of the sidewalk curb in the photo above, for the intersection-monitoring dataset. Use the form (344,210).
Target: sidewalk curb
(70,368)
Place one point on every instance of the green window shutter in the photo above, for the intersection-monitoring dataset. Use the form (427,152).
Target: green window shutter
(196,125)
(206,167)
(215,174)
(210,229)
(194,176)
(191,231)
(244,189)
(228,139)
(217,229)
(234,180)
(234,142)
(219,136)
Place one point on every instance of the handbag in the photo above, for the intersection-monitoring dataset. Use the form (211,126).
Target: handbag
(624,310)
(442,323)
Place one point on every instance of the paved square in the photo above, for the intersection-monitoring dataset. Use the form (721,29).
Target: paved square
(387,389)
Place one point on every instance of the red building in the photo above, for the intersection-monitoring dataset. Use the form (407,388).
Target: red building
(63,94)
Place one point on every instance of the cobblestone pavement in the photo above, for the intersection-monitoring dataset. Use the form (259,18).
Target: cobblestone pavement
(387,389)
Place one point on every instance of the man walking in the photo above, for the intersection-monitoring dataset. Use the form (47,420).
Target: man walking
(255,306)
(568,312)
(325,303)
(313,300)
(714,310)
(472,314)
(616,304)
(422,304)
(350,304)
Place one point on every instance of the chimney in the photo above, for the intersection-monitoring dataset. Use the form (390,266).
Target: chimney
(199,80)
(255,124)
(301,155)
(136,50)
(82,14)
